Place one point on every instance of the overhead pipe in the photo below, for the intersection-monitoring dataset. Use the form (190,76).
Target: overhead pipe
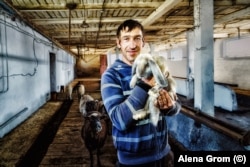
(100,24)
(70,6)
(69,29)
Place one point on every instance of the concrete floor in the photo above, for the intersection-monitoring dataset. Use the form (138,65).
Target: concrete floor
(67,147)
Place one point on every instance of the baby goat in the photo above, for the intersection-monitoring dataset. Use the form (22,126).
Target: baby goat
(94,130)
(148,66)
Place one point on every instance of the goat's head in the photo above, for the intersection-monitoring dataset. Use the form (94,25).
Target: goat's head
(92,105)
(94,119)
(147,66)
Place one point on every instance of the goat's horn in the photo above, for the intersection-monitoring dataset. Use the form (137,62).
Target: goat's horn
(159,77)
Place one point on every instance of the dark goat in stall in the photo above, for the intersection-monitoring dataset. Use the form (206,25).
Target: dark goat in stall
(94,130)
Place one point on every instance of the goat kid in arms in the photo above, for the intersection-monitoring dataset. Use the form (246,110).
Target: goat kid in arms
(153,68)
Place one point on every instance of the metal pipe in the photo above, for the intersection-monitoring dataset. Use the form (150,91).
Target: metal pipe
(13,117)
(7,61)
(243,137)
(69,29)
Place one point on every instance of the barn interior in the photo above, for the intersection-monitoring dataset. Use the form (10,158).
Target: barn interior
(47,45)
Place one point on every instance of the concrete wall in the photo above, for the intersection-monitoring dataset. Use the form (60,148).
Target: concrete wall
(232,70)
(25,72)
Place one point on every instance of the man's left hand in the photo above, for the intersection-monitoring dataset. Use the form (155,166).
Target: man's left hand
(164,101)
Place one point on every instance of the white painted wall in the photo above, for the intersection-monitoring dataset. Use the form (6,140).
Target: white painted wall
(233,70)
(25,72)
(226,70)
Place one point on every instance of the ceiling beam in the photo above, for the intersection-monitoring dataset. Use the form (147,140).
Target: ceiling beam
(148,28)
(98,5)
(106,20)
(165,7)
(79,20)
(92,6)
(233,16)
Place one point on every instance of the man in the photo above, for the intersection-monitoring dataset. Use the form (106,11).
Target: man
(138,143)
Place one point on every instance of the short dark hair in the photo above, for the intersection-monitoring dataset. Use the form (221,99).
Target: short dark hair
(131,24)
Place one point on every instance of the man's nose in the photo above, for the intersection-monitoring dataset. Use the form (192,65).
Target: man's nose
(132,43)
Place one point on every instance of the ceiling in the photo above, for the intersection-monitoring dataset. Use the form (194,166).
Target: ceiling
(165,22)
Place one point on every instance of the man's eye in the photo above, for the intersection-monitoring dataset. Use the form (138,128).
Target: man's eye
(125,39)
(138,39)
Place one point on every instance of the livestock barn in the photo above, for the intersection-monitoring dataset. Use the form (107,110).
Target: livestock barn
(49,46)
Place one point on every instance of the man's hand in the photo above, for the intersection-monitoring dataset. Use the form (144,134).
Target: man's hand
(149,81)
(164,101)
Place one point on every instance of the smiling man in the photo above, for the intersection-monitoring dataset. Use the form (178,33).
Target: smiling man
(138,142)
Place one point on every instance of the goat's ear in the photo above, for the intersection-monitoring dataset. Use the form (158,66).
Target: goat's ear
(159,77)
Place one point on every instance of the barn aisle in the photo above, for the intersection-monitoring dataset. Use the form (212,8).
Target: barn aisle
(67,148)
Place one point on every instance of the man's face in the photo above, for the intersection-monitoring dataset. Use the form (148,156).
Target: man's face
(131,44)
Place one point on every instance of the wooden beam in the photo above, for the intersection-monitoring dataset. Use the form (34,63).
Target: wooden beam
(93,6)
(233,16)
(79,20)
(161,10)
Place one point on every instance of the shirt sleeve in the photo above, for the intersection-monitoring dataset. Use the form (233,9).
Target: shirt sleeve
(120,101)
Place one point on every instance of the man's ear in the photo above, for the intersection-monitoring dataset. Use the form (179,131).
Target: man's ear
(118,43)
(143,42)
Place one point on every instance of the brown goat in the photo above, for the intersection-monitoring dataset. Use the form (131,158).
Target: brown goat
(94,130)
